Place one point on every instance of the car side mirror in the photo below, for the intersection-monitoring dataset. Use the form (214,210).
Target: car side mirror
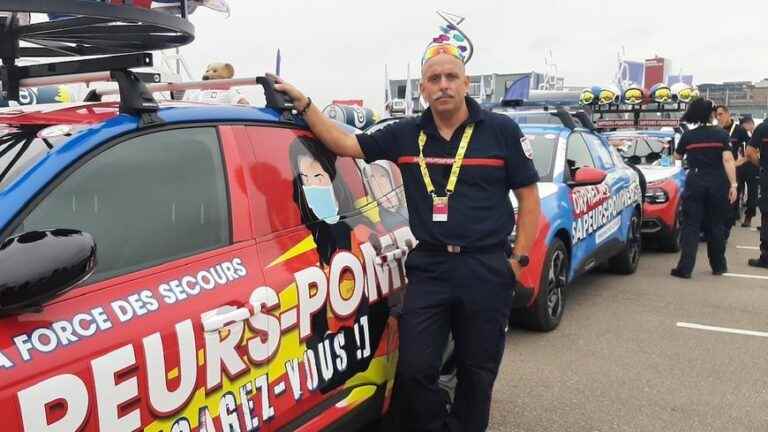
(38,266)
(587,176)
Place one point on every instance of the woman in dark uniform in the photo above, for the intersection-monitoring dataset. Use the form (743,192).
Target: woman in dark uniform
(710,188)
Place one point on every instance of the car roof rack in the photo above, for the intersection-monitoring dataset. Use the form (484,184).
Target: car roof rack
(89,28)
(637,112)
(558,111)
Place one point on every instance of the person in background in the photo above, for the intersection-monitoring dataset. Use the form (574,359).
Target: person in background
(747,172)
(758,146)
(710,187)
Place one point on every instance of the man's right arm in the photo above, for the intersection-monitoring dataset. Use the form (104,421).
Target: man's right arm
(335,139)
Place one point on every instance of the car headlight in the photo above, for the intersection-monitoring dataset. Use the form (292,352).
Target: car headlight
(656,196)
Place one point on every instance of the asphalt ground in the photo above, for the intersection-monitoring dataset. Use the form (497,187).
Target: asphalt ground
(629,354)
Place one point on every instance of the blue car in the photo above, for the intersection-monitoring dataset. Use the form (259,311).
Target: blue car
(591,203)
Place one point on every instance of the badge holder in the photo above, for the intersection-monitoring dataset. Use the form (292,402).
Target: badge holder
(439,208)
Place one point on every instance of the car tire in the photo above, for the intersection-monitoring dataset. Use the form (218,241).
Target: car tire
(671,243)
(547,310)
(626,262)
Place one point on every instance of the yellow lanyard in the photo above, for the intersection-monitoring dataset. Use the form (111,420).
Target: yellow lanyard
(457,161)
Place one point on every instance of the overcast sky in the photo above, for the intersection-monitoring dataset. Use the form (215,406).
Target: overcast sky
(336,49)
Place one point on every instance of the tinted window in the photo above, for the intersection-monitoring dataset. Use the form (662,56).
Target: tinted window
(145,201)
(578,155)
(600,151)
(20,148)
(543,146)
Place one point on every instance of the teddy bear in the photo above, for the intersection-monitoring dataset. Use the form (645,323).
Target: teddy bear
(223,95)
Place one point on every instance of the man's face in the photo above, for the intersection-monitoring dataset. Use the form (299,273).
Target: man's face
(312,173)
(444,83)
(723,117)
(748,125)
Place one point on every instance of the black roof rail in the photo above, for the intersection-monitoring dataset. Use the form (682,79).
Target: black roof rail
(585,119)
(565,117)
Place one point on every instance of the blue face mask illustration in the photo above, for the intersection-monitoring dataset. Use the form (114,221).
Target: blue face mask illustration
(323,203)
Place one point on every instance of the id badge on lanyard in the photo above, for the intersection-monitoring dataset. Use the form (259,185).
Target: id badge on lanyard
(440,203)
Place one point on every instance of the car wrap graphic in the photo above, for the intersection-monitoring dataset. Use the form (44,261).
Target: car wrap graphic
(584,218)
(243,375)
(257,334)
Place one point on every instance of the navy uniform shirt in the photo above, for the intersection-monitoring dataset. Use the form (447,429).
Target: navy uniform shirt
(479,211)
(739,139)
(705,146)
(760,142)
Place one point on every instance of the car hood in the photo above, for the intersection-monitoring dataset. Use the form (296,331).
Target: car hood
(657,173)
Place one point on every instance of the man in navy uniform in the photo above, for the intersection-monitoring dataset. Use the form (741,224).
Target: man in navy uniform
(459,163)
(758,146)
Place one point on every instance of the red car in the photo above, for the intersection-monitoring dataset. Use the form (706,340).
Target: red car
(176,267)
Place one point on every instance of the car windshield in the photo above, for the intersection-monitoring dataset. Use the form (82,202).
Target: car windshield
(638,149)
(21,146)
(534,117)
(543,145)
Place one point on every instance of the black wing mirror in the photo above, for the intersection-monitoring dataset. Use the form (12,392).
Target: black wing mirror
(38,266)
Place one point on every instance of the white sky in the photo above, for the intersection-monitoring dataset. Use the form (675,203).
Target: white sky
(337,49)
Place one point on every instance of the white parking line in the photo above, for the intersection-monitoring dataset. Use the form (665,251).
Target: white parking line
(748,247)
(722,329)
(745,276)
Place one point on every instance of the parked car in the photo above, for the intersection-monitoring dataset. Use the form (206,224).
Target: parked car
(651,153)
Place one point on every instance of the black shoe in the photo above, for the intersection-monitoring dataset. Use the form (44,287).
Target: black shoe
(719,272)
(676,273)
(757,262)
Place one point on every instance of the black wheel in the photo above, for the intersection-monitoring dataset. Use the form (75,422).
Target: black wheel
(626,262)
(547,310)
(671,243)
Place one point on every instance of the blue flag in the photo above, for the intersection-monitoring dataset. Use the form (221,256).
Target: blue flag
(519,89)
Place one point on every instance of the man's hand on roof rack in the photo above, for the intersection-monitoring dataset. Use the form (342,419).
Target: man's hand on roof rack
(337,140)
(299,100)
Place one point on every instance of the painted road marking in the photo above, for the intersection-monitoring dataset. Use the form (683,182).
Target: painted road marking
(745,276)
(722,329)
(748,247)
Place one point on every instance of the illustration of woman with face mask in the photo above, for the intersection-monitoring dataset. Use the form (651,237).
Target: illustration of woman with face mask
(327,210)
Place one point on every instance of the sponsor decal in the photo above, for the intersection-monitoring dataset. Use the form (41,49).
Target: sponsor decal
(226,376)
(594,207)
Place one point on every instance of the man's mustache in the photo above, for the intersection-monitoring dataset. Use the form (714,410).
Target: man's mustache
(444,96)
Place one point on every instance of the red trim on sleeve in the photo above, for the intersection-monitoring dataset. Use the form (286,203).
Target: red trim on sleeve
(704,146)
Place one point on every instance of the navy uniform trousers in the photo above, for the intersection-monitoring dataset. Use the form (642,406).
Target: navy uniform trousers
(705,199)
(469,295)
(763,204)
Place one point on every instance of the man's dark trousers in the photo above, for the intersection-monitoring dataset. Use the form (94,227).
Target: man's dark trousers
(763,203)
(468,294)
(705,198)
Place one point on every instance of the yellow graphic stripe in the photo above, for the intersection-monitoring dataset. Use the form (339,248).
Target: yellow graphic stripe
(305,245)
(369,208)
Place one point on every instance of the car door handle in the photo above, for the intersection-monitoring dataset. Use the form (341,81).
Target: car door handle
(218,321)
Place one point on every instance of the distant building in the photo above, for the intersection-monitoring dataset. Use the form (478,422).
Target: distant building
(741,97)
(496,85)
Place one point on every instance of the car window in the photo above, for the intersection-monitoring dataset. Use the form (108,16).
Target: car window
(146,201)
(599,150)
(577,155)
(543,145)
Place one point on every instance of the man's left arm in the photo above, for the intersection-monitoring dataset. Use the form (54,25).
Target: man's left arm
(528,213)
